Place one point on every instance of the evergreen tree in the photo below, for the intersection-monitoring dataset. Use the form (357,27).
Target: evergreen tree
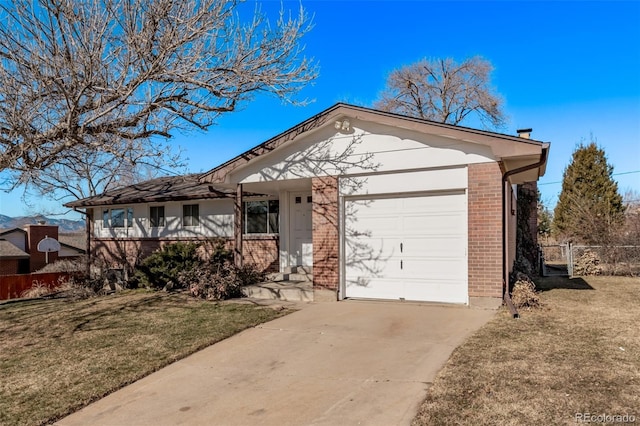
(589,209)
(544,218)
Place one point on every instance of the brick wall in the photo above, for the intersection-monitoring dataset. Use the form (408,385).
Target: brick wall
(485,230)
(35,234)
(263,251)
(325,232)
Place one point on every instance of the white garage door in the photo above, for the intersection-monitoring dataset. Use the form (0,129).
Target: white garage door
(411,248)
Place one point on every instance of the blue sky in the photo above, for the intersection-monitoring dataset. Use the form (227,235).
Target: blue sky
(568,70)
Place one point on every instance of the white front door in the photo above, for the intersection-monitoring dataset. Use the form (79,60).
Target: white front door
(300,229)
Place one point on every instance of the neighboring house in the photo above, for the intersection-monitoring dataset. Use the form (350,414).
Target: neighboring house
(381,206)
(19,248)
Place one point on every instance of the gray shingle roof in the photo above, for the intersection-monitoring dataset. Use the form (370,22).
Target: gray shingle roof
(74,241)
(9,251)
(171,188)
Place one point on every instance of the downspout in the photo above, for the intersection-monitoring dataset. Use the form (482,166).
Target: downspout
(505,268)
(88,220)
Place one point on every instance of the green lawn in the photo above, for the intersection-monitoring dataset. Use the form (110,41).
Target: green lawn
(579,354)
(59,355)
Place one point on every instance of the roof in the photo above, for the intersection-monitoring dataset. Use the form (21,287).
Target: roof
(9,251)
(170,188)
(503,145)
(11,231)
(73,241)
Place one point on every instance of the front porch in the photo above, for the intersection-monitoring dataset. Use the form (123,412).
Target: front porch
(294,284)
(301,216)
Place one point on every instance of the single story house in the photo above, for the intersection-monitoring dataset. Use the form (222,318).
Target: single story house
(378,205)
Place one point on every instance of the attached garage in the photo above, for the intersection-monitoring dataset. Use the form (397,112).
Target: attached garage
(407,247)
(397,208)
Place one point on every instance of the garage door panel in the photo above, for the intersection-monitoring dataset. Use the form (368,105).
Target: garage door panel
(436,268)
(432,225)
(437,247)
(374,227)
(375,288)
(372,268)
(436,291)
(372,248)
(411,248)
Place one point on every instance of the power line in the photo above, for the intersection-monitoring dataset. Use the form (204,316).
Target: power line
(615,174)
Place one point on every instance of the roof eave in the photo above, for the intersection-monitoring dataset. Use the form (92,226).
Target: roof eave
(523,146)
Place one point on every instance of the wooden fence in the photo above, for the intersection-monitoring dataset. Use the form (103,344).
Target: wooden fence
(12,286)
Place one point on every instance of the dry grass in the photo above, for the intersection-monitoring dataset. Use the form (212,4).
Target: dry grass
(59,355)
(578,354)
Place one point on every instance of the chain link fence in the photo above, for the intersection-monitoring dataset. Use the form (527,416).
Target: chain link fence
(574,260)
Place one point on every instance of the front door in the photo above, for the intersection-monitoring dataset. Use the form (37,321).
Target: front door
(300,227)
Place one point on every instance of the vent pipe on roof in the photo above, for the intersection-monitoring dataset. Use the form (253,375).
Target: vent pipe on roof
(524,133)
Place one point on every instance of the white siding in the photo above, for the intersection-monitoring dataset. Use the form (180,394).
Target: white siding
(408,182)
(216,220)
(369,148)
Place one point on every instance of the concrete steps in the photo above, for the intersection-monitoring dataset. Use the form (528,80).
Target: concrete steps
(294,284)
(292,273)
(282,290)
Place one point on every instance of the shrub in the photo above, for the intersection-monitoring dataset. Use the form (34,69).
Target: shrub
(588,264)
(182,266)
(75,290)
(162,268)
(38,289)
(66,287)
(215,281)
(524,294)
(217,251)
(75,264)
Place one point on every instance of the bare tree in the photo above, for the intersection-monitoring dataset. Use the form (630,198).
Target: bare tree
(85,173)
(99,75)
(445,91)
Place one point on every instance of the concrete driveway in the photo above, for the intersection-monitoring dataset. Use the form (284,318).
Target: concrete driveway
(345,363)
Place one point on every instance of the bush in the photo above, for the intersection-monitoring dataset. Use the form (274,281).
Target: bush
(38,289)
(216,281)
(182,266)
(588,264)
(162,268)
(217,251)
(66,287)
(75,264)
(524,294)
(73,290)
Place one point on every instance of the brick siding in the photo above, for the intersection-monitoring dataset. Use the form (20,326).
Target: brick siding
(485,230)
(325,232)
(35,234)
(263,251)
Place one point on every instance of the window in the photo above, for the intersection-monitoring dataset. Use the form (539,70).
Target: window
(156,216)
(261,217)
(190,215)
(117,218)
